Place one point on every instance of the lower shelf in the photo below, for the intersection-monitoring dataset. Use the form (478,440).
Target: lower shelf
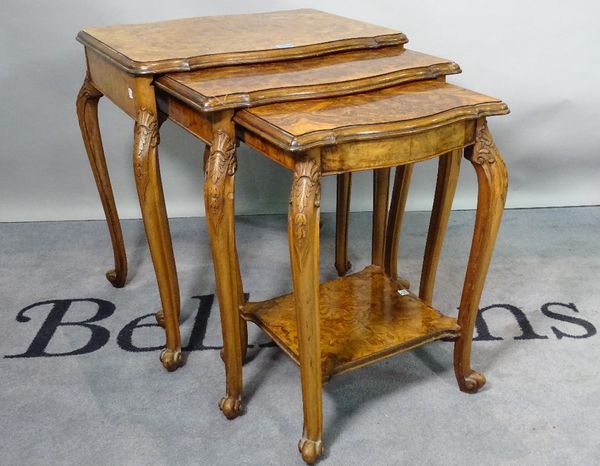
(363,318)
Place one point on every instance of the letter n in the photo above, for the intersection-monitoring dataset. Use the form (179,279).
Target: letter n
(527,331)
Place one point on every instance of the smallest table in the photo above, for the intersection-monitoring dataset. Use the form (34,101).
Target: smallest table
(349,322)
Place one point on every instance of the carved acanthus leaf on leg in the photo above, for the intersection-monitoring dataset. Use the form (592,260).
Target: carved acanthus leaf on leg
(306,186)
(484,149)
(146,137)
(221,162)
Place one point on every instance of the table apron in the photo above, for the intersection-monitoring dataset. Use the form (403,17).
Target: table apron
(117,85)
(397,150)
(198,123)
(372,154)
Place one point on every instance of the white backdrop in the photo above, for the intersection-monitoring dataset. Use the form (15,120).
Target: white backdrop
(541,57)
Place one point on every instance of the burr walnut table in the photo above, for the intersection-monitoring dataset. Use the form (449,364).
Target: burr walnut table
(174,70)
(199,72)
(346,323)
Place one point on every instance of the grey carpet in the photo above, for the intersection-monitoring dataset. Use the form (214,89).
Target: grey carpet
(541,405)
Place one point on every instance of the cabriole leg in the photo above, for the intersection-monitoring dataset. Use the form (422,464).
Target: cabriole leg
(150,193)
(396,215)
(303,233)
(235,267)
(381,188)
(87,113)
(342,211)
(219,185)
(448,169)
(492,179)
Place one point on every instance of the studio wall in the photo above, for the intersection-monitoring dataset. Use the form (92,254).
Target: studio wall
(541,57)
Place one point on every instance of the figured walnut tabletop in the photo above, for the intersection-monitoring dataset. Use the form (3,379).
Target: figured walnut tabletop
(327,75)
(189,99)
(191,43)
(393,111)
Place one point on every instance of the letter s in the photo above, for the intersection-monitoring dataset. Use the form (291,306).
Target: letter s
(590,330)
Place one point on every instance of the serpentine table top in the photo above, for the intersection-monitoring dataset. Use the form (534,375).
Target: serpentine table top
(191,43)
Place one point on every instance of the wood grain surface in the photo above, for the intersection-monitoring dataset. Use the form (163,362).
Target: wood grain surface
(87,114)
(190,43)
(330,75)
(146,170)
(492,185)
(411,107)
(362,319)
(395,110)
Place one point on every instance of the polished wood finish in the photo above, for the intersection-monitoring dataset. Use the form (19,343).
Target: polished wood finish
(298,126)
(344,323)
(402,178)
(184,95)
(407,133)
(381,194)
(372,154)
(342,210)
(219,193)
(397,150)
(303,237)
(492,180)
(117,56)
(447,178)
(87,113)
(117,85)
(191,43)
(150,193)
(200,124)
(135,96)
(329,75)
(362,319)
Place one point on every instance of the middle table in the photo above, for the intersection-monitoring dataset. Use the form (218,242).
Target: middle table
(205,103)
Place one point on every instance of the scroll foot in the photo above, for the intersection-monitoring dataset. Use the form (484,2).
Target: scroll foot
(472,383)
(171,360)
(231,407)
(116,280)
(310,450)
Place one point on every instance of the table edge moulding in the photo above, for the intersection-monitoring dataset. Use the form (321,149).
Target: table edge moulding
(181,45)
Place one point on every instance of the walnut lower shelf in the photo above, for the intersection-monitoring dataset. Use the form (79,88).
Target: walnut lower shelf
(363,319)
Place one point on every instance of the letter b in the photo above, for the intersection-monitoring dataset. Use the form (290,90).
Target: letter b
(99,335)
